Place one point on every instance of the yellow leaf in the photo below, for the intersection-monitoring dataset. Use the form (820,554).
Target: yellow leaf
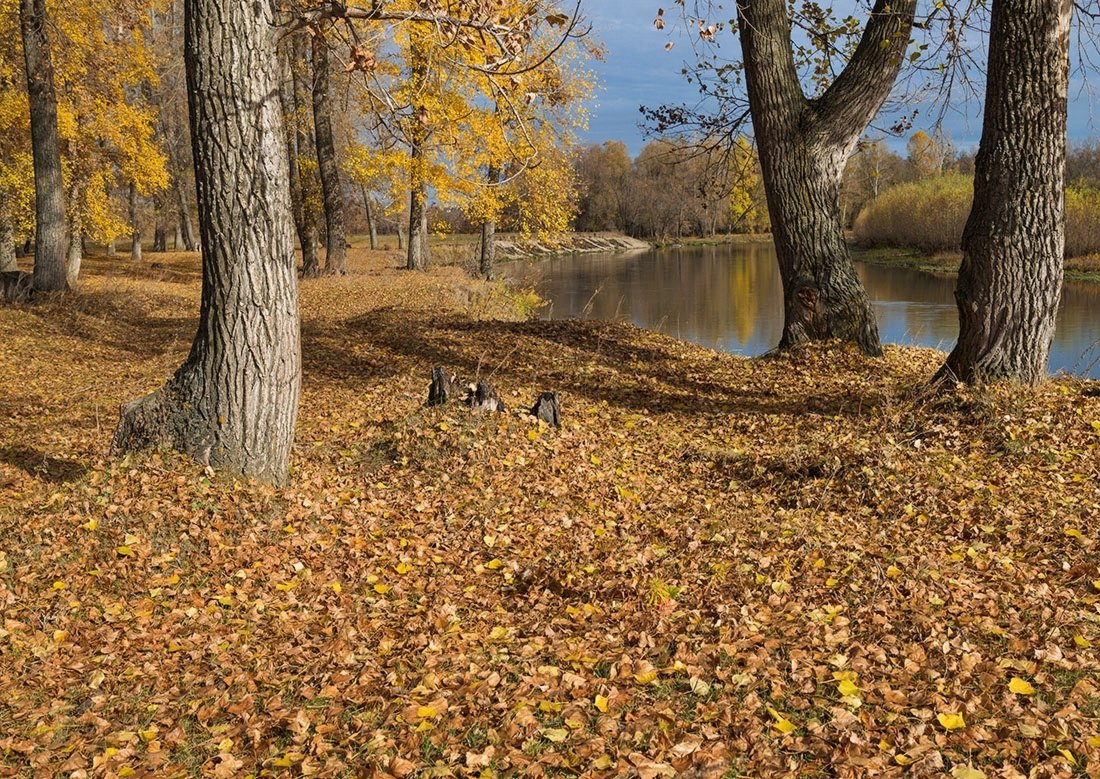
(493,564)
(556,735)
(533,435)
(147,735)
(780,587)
(951,721)
(60,635)
(595,460)
(1073,532)
(91,524)
(893,572)
(602,763)
(336,587)
(967,772)
(645,677)
(382,589)
(225,745)
(1021,686)
(782,724)
(847,687)
(125,551)
(902,759)
(1094,741)
(1068,756)
(402,568)
(59,585)
(499,633)
(1082,642)
(425,712)
(601,703)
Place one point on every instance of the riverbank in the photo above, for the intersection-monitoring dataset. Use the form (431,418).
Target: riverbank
(717,566)
(1082,269)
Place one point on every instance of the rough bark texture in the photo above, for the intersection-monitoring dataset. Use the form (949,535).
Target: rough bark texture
(15,286)
(417,239)
(485,398)
(1010,281)
(75,252)
(548,409)
(487,260)
(418,137)
(160,238)
(135,226)
(303,226)
(233,403)
(442,387)
(50,240)
(8,261)
(803,146)
(336,242)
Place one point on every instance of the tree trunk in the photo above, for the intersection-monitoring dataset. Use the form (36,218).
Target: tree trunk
(8,261)
(233,403)
(160,238)
(177,238)
(112,249)
(489,233)
(418,138)
(292,98)
(76,236)
(50,242)
(186,231)
(416,258)
(372,223)
(1010,280)
(402,229)
(303,140)
(336,242)
(803,146)
(135,226)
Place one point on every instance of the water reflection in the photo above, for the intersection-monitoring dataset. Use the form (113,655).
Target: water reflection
(729,298)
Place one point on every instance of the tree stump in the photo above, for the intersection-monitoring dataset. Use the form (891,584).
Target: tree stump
(443,387)
(484,397)
(15,286)
(548,409)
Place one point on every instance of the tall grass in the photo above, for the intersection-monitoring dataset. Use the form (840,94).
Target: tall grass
(929,215)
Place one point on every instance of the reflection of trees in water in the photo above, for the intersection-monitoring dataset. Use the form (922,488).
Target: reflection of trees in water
(730,297)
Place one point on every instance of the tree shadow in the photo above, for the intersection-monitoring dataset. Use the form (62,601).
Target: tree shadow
(42,466)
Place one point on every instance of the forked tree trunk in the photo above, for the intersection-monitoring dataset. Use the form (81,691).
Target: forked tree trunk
(372,223)
(305,161)
(50,241)
(234,401)
(135,226)
(803,146)
(1010,281)
(336,242)
(8,261)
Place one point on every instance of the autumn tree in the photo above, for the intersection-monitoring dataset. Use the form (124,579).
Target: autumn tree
(1010,280)
(50,225)
(234,401)
(336,254)
(804,141)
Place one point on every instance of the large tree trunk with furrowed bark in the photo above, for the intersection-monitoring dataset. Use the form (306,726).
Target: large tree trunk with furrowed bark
(1010,281)
(50,240)
(336,251)
(233,403)
(803,146)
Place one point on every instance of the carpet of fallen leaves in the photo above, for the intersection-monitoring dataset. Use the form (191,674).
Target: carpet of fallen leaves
(801,566)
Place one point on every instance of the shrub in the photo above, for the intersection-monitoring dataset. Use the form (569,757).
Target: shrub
(929,215)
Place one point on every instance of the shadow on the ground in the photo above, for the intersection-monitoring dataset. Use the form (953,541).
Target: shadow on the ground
(55,470)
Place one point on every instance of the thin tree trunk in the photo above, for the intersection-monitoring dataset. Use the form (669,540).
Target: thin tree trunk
(8,262)
(234,401)
(290,99)
(489,232)
(177,238)
(402,229)
(186,231)
(303,138)
(416,259)
(1010,280)
(336,251)
(803,146)
(135,226)
(160,237)
(112,248)
(50,241)
(76,237)
(372,223)
(418,137)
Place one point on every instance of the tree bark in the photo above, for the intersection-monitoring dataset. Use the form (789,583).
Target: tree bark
(8,262)
(1010,280)
(307,179)
(160,237)
(234,401)
(50,240)
(76,236)
(803,145)
(336,242)
(489,233)
(372,223)
(417,138)
(135,226)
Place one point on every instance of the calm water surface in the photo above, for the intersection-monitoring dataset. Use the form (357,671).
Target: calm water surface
(730,298)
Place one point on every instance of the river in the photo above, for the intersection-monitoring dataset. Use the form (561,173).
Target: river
(729,297)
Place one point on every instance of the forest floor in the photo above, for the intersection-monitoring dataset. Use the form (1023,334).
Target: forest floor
(800,566)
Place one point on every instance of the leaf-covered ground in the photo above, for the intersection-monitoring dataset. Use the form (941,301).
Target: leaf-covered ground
(803,566)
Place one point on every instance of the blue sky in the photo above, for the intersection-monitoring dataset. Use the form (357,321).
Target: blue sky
(639,71)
